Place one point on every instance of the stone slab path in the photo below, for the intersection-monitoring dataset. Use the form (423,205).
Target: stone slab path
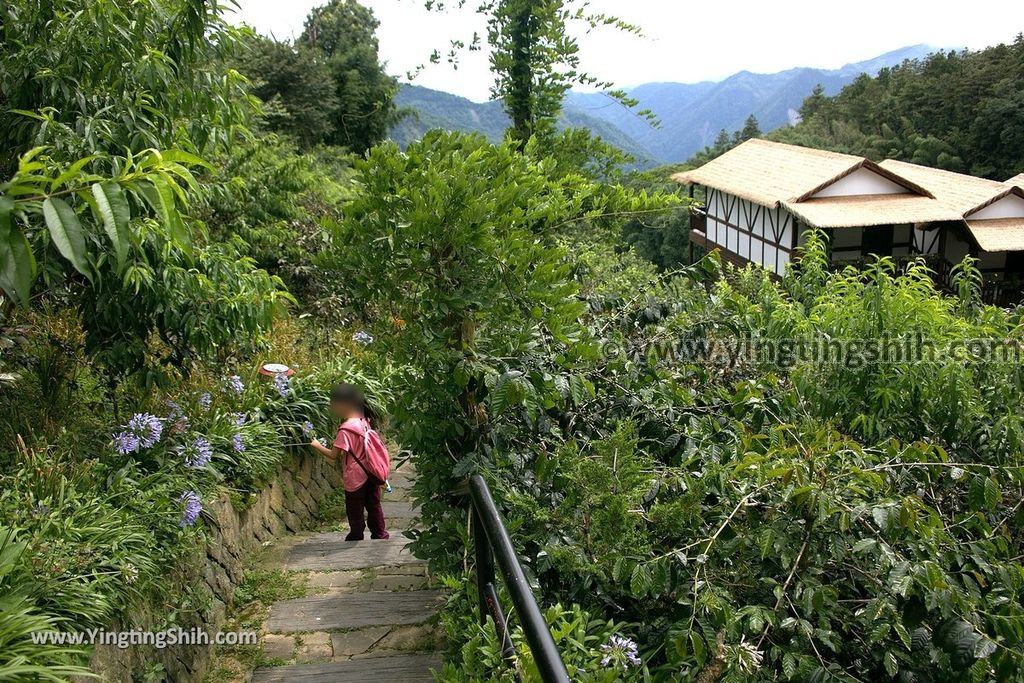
(368,611)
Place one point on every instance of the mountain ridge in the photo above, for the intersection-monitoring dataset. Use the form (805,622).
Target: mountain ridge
(690,114)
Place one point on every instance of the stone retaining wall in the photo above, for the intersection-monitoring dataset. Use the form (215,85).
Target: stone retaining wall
(288,504)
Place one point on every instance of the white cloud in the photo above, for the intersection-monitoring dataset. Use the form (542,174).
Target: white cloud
(684,41)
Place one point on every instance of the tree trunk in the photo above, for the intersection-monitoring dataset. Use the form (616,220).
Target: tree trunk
(521,96)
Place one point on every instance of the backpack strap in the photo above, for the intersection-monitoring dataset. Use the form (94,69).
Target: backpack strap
(370,476)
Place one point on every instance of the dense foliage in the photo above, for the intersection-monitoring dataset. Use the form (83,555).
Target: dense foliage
(765,518)
(960,111)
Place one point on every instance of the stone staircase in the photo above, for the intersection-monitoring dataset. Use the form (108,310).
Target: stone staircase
(367,613)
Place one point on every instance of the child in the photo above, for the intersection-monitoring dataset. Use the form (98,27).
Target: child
(365,461)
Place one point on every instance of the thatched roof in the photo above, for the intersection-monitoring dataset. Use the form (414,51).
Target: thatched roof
(1017,180)
(958,191)
(870,210)
(998,234)
(770,173)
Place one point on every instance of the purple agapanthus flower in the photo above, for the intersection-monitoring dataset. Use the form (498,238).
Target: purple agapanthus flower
(196,454)
(205,401)
(620,652)
(125,443)
(362,338)
(282,384)
(238,419)
(236,384)
(147,428)
(308,430)
(237,443)
(192,507)
(142,431)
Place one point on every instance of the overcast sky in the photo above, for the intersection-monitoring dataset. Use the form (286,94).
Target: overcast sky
(684,41)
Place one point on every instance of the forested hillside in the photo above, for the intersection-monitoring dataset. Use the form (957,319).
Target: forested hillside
(427,110)
(961,111)
(708,475)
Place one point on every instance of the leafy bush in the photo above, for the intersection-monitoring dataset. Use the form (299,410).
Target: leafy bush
(749,519)
(19,619)
(276,199)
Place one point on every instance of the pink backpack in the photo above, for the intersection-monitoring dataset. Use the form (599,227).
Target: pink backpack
(378,461)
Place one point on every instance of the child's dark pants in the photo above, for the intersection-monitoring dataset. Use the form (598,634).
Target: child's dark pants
(367,498)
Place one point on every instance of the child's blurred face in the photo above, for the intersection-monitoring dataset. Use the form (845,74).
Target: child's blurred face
(343,409)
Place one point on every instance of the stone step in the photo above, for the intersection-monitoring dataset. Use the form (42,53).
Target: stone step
(333,611)
(330,551)
(405,668)
(399,509)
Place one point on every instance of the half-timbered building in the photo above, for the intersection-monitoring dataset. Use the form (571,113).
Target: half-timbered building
(760,198)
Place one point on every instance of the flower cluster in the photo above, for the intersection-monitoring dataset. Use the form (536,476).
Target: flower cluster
(282,384)
(205,401)
(192,507)
(130,573)
(196,454)
(620,652)
(362,338)
(237,443)
(748,657)
(308,430)
(235,384)
(239,419)
(142,431)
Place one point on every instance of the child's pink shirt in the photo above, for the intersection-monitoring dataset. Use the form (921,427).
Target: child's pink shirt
(354,447)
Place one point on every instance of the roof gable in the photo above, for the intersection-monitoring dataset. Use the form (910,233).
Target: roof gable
(1007,204)
(862,182)
(958,191)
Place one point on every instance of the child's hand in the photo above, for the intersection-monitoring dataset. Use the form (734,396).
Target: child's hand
(315,443)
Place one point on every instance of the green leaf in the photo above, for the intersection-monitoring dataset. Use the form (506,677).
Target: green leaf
(864,544)
(17,264)
(641,581)
(66,233)
(183,157)
(790,665)
(115,214)
(160,197)
(699,650)
(892,667)
(72,171)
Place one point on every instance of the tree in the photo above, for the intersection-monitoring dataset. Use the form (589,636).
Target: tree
(100,77)
(343,33)
(751,128)
(722,142)
(297,88)
(97,216)
(535,59)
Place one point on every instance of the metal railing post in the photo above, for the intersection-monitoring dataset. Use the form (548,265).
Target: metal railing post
(545,653)
(484,566)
